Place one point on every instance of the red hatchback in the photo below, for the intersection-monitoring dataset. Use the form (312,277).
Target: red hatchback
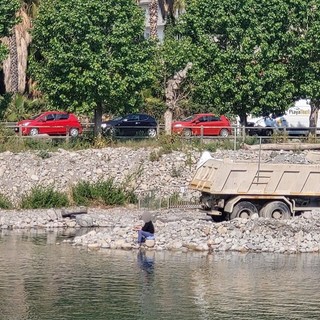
(206,124)
(51,123)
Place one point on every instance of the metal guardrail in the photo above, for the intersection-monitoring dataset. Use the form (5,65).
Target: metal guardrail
(237,131)
(153,201)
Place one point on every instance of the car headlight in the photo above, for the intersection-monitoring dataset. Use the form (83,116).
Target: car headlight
(26,124)
(178,125)
(103,125)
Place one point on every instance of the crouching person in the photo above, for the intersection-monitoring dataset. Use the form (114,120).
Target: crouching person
(147,230)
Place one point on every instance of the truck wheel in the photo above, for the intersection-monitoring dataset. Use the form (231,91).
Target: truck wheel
(275,210)
(243,209)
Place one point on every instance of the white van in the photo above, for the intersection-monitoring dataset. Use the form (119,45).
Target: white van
(295,120)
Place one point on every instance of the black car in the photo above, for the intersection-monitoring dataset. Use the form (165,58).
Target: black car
(135,124)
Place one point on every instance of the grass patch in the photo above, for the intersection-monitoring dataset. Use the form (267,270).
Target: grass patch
(5,203)
(104,193)
(44,198)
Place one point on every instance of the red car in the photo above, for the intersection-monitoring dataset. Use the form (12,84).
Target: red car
(51,123)
(206,124)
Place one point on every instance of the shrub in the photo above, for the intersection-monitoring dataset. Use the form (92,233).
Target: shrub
(101,193)
(5,203)
(82,193)
(44,154)
(44,197)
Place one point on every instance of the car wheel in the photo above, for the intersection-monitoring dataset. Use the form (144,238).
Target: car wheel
(269,132)
(152,133)
(224,133)
(112,132)
(34,132)
(187,133)
(74,132)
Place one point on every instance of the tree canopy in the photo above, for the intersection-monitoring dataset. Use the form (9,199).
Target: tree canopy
(240,50)
(306,55)
(8,9)
(91,54)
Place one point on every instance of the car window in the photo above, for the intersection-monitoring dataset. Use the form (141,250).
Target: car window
(50,117)
(133,117)
(189,118)
(144,117)
(62,116)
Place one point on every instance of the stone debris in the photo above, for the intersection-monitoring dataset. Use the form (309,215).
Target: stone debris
(171,173)
(176,229)
(191,230)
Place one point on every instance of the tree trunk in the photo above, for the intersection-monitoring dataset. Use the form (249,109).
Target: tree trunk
(15,66)
(313,118)
(153,19)
(243,119)
(98,119)
(168,121)
(171,92)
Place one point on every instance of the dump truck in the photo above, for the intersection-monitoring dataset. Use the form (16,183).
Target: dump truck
(232,189)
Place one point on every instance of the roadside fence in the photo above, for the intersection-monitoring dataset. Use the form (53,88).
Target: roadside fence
(153,200)
(236,133)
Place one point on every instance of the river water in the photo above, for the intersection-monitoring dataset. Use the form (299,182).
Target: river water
(42,279)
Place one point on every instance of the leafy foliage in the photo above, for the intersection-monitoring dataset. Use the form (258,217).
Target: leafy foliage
(240,52)
(19,107)
(44,197)
(5,203)
(8,9)
(88,54)
(101,193)
(305,61)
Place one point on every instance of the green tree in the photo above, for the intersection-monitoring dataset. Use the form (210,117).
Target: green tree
(305,60)
(239,50)
(91,55)
(8,9)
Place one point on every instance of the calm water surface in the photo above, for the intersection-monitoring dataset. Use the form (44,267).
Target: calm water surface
(43,280)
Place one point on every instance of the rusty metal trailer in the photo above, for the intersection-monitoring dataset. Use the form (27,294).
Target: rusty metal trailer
(240,189)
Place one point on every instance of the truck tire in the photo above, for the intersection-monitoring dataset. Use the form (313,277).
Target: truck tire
(275,210)
(243,209)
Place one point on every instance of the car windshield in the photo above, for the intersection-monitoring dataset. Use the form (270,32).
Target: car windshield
(36,116)
(189,118)
(117,119)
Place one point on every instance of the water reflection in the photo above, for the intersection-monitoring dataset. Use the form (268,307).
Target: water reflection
(145,260)
(43,280)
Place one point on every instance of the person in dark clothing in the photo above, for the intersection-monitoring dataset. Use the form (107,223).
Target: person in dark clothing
(147,230)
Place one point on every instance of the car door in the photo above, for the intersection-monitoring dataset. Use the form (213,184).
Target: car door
(62,123)
(145,123)
(202,126)
(129,124)
(214,125)
(49,124)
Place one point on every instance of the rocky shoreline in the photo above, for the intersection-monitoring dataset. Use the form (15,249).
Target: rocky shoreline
(138,169)
(176,230)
